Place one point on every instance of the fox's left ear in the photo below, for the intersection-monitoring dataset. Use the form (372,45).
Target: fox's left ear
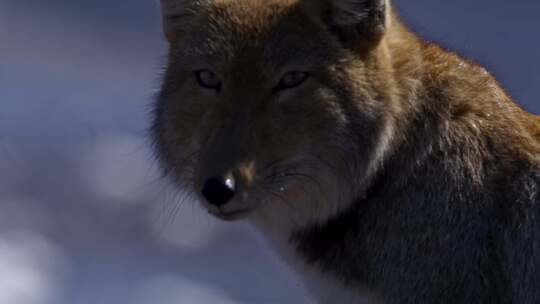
(176,15)
(358,19)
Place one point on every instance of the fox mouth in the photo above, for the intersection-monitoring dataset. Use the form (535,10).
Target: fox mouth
(231,215)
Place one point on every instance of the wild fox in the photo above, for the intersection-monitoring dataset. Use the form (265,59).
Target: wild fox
(381,167)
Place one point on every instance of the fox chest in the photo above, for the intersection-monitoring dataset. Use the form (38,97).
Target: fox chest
(321,283)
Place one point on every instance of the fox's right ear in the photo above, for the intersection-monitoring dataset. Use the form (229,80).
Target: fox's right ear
(176,15)
(356,20)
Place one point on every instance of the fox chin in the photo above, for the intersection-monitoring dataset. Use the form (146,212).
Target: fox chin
(382,168)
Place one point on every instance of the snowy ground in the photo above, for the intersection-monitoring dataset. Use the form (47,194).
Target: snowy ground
(84,217)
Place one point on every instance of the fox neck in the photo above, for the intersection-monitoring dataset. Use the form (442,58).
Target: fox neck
(278,227)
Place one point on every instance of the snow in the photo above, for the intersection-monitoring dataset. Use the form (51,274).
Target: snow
(84,214)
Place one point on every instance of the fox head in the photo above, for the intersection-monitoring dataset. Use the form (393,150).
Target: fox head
(274,103)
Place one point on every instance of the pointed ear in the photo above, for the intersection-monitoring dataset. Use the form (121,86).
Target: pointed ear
(363,20)
(176,15)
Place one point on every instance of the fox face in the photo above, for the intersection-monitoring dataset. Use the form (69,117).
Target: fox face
(274,104)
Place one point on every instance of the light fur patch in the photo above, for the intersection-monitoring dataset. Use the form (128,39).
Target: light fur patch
(324,289)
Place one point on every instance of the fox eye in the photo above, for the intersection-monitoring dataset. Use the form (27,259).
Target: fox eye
(291,80)
(208,79)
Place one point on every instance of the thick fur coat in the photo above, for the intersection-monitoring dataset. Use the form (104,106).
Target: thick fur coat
(381,167)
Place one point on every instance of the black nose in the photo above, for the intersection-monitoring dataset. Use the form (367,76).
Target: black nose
(218,191)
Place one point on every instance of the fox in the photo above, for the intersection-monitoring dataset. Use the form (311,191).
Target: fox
(380,167)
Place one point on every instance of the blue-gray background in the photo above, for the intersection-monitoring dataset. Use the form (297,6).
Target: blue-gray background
(84,217)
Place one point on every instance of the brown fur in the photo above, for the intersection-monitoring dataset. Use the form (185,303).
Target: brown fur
(382,109)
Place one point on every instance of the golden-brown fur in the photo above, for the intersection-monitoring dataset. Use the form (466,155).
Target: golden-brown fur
(397,167)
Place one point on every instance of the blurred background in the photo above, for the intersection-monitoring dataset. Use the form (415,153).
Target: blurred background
(84,216)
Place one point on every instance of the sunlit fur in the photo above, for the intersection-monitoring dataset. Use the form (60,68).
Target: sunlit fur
(391,145)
